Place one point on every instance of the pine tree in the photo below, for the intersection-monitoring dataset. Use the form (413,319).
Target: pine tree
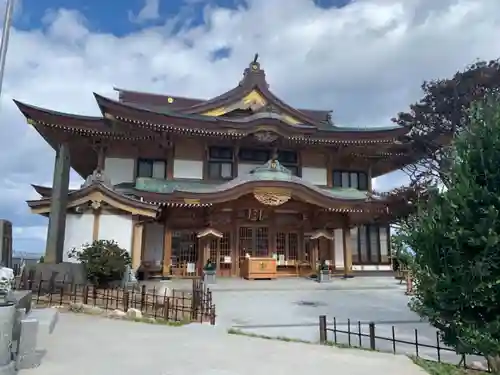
(457,242)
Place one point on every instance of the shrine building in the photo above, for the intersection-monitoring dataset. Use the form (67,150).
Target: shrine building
(177,181)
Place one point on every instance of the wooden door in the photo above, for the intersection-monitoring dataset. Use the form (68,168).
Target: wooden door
(253,241)
(185,253)
(287,248)
(220,254)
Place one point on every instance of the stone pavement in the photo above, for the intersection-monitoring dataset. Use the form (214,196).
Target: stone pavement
(291,307)
(83,345)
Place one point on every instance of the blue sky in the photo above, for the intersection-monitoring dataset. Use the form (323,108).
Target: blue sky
(363,59)
(115,16)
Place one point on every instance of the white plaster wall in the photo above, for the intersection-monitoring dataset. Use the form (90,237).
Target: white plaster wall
(153,242)
(384,245)
(316,176)
(78,232)
(119,170)
(339,248)
(244,169)
(117,228)
(192,169)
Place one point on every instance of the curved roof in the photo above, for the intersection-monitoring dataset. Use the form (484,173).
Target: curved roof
(161,102)
(166,120)
(269,176)
(253,78)
(95,191)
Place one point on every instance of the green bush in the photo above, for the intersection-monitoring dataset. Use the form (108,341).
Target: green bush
(104,261)
(456,238)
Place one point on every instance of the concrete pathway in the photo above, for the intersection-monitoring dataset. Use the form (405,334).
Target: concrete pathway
(83,345)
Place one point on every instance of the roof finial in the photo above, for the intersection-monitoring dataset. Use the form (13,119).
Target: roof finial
(254,65)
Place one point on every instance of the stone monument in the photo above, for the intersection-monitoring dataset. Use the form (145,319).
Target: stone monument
(129,278)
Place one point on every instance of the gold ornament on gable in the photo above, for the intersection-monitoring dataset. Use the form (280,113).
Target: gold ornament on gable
(272,197)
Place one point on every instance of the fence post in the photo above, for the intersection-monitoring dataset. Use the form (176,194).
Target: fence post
(85,294)
(322,329)
(125,300)
(371,327)
(212,315)
(143,297)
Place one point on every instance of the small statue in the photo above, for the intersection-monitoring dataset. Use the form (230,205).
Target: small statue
(128,277)
(6,280)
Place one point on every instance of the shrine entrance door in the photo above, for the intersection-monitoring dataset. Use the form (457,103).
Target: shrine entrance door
(253,241)
(220,254)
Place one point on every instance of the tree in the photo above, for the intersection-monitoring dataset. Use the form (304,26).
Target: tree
(104,261)
(399,247)
(456,239)
(440,115)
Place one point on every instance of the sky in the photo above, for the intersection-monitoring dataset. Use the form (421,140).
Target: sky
(363,59)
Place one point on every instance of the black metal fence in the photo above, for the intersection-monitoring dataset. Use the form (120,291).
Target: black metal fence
(364,335)
(177,306)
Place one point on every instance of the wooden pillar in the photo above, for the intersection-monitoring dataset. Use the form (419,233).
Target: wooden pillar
(167,250)
(271,248)
(302,246)
(137,241)
(169,173)
(205,255)
(331,245)
(347,250)
(236,159)
(58,204)
(329,169)
(369,178)
(101,158)
(314,253)
(235,259)
(97,221)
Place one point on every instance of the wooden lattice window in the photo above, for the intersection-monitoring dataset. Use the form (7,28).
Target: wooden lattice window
(254,241)
(261,242)
(184,248)
(287,245)
(220,253)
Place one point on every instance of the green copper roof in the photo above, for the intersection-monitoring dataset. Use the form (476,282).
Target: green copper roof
(271,171)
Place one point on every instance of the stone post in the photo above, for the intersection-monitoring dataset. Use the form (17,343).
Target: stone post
(58,203)
(7,319)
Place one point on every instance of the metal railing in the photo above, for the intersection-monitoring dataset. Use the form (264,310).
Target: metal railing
(364,335)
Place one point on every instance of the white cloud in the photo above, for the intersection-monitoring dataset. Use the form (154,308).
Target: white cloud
(365,61)
(150,12)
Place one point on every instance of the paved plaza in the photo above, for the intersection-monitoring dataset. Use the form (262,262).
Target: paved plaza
(83,345)
(281,308)
(291,308)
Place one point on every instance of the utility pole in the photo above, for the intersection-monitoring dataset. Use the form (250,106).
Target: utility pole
(7,23)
